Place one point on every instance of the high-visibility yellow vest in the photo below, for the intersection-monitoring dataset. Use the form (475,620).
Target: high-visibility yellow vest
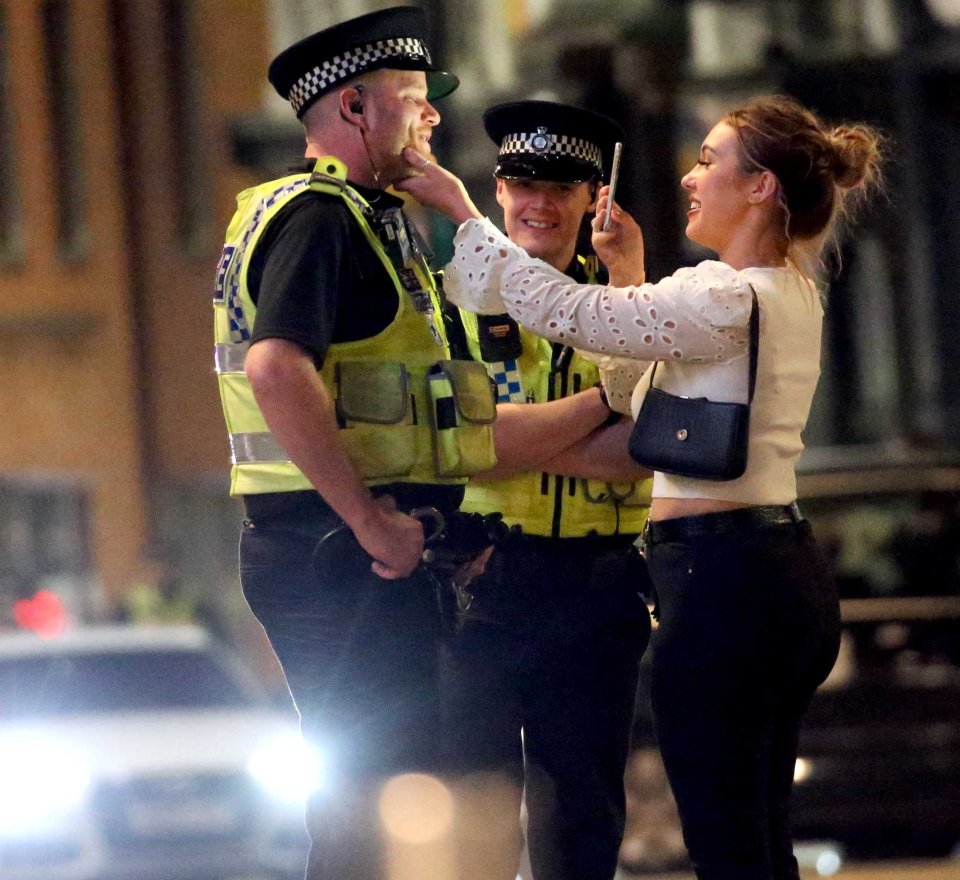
(386,388)
(548,504)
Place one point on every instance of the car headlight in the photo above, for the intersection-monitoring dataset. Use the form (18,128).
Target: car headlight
(802,770)
(40,780)
(823,856)
(288,768)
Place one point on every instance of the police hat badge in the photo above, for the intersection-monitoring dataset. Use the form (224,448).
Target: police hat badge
(549,141)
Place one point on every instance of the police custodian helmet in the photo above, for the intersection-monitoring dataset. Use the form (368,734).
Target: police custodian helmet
(391,38)
(541,140)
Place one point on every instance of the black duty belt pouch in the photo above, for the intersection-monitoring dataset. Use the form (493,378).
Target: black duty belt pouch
(694,436)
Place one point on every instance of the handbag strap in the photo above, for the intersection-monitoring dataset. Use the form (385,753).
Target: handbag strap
(754,346)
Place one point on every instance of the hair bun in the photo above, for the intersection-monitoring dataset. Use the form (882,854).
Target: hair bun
(856,155)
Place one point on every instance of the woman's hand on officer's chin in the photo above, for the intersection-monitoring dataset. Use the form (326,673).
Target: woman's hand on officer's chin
(434,186)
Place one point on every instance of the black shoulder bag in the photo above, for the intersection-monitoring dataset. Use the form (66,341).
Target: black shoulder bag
(694,436)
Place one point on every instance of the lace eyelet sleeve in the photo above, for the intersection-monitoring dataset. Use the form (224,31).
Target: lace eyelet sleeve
(472,279)
(698,314)
(619,376)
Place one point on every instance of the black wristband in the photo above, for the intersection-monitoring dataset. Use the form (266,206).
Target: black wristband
(614,415)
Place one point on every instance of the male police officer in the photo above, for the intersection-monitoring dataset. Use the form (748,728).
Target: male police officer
(552,642)
(343,412)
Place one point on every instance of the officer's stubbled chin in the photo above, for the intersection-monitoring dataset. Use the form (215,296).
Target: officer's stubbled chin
(423,154)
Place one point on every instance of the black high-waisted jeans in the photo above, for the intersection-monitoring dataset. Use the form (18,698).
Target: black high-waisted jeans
(749,627)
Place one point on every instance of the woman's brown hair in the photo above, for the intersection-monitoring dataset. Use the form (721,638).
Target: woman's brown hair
(822,170)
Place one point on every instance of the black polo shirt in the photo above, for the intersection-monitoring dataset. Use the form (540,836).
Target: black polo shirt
(314,277)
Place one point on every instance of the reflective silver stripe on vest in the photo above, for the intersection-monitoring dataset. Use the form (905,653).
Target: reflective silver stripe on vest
(250,448)
(229,357)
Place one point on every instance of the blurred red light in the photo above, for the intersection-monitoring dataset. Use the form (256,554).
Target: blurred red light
(43,613)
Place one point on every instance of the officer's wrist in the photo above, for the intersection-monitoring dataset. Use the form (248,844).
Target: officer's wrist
(612,415)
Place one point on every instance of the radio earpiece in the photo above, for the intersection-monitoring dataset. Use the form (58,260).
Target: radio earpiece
(357,105)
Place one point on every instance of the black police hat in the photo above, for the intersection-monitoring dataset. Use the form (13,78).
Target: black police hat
(542,140)
(394,38)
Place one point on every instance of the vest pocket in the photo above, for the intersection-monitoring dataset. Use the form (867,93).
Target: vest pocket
(375,417)
(462,407)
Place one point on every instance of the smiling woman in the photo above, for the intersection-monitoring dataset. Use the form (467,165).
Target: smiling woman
(749,616)
(721,196)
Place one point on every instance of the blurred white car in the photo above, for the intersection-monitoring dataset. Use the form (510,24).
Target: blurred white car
(144,754)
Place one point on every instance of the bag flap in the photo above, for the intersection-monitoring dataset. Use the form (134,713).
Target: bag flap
(692,437)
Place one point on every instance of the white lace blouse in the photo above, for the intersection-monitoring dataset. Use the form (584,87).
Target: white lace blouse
(695,322)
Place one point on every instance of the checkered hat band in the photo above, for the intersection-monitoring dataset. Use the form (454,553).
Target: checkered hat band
(556,145)
(352,62)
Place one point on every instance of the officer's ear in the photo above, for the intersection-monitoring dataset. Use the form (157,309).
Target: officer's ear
(500,187)
(594,188)
(351,106)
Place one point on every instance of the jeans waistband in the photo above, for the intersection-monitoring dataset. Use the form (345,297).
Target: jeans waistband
(742,519)
(305,503)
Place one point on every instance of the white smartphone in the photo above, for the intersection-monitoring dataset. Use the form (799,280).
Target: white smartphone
(614,174)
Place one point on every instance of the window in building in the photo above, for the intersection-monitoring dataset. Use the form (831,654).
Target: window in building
(71,196)
(46,557)
(193,202)
(11,244)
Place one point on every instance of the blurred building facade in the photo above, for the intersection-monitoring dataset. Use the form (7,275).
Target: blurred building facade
(115,182)
(127,127)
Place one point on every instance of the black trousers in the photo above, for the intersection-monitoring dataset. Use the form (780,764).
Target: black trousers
(550,647)
(749,627)
(361,658)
